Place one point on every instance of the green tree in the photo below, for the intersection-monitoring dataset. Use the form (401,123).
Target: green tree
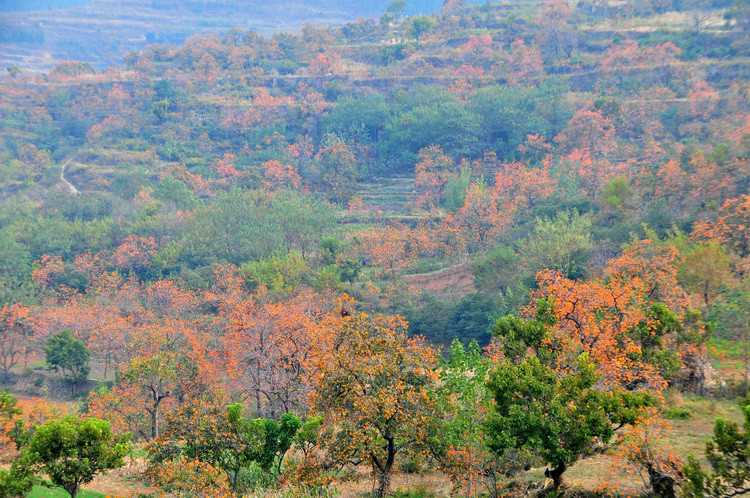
(160,108)
(303,220)
(461,444)
(243,226)
(396,7)
(558,416)
(353,117)
(617,193)
(66,353)
(157,379)
(438,121)
(704,270)
(330,249)
(420,25)
(174,190)
(277,273)
(727,454)
(13,427)
(548,403)
(502,271)
(336,168)
(455,189)
(731,313)
(15,269)
(225,439)
(17,481)
(510,114)
(72,451)
(560,243)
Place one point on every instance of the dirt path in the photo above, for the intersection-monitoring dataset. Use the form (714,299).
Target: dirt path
(71,188)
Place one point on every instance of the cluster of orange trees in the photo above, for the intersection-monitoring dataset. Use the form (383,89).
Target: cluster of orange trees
(233,388)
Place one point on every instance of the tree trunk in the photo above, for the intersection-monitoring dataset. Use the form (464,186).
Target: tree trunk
(235,478)
(155,423)
(556,475)
(154,411)
(662,485)
(73,489)
(384,482)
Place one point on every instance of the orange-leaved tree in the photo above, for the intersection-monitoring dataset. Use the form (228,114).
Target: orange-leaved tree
(648,459)
(516,183)
(18,417)
(270,349)
(375,391)
(732,228)
(634,321)
(482,219)
(433,171)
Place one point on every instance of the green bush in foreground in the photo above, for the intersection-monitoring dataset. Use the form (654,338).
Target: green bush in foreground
(728,453)
(71,452)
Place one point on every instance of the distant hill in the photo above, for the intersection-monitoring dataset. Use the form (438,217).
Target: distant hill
(35,34)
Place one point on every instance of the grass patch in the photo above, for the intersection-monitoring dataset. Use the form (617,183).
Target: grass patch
(42,492)
(418,492)
(678,413)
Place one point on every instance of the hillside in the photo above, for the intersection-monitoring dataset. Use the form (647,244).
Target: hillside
(499,250)
(38,35)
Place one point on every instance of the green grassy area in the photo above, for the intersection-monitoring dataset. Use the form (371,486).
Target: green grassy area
(42,492)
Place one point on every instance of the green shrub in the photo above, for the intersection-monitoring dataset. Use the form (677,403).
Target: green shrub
(418,492)
(678,413)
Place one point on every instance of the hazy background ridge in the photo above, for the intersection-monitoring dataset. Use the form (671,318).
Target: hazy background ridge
(35,34)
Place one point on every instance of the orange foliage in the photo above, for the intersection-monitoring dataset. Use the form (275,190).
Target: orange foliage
(589,132)
(270,348)
(396,248)
(326,64)
(482,219)
(374,390)
(433,170)
(732,228)
(518,184)
(590,171)
(523,64)
(26,414)
(596,316)
(476,48)
(703,100)
(280,176)
(188,477)
(135,253)
(642,456)
(46,269)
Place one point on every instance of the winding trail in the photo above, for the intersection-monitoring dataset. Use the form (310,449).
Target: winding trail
(71,188)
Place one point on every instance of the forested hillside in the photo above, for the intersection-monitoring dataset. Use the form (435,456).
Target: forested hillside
(440,253)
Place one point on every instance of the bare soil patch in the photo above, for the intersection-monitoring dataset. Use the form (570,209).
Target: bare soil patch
(457,280)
